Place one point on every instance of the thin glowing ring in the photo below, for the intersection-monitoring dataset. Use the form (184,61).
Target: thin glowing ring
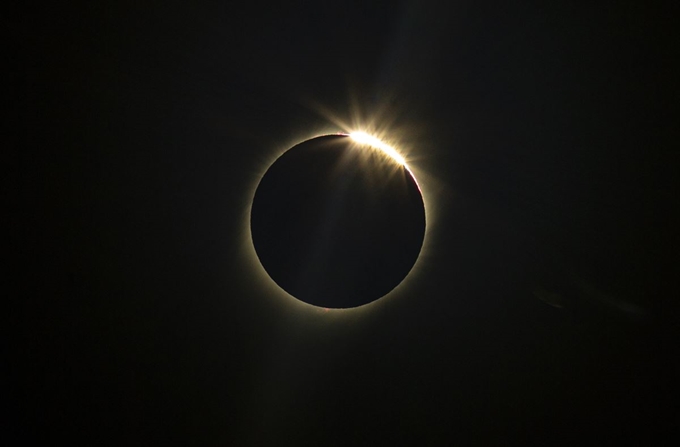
(361,138)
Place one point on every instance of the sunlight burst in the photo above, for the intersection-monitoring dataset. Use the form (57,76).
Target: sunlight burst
(364,138)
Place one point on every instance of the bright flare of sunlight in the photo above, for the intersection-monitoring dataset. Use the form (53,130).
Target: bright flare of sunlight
(364,138)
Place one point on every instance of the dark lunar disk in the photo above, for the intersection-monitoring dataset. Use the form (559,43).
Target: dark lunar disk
(336,223)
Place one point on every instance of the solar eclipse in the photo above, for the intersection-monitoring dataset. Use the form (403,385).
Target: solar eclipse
(338,221)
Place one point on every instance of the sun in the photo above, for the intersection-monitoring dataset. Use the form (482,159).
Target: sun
(364,138)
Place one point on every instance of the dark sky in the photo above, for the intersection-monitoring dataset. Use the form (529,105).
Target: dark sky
(544,307)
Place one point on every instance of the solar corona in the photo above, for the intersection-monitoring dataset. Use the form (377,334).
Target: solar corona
(338,221)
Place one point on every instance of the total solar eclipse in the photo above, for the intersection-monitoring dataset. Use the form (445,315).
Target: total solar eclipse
(338,221)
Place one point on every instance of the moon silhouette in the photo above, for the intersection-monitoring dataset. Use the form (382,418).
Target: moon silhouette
(338,221)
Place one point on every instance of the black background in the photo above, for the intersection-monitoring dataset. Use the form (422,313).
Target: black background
(544,306)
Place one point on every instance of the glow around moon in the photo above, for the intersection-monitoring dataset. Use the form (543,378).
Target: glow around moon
(364,138)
